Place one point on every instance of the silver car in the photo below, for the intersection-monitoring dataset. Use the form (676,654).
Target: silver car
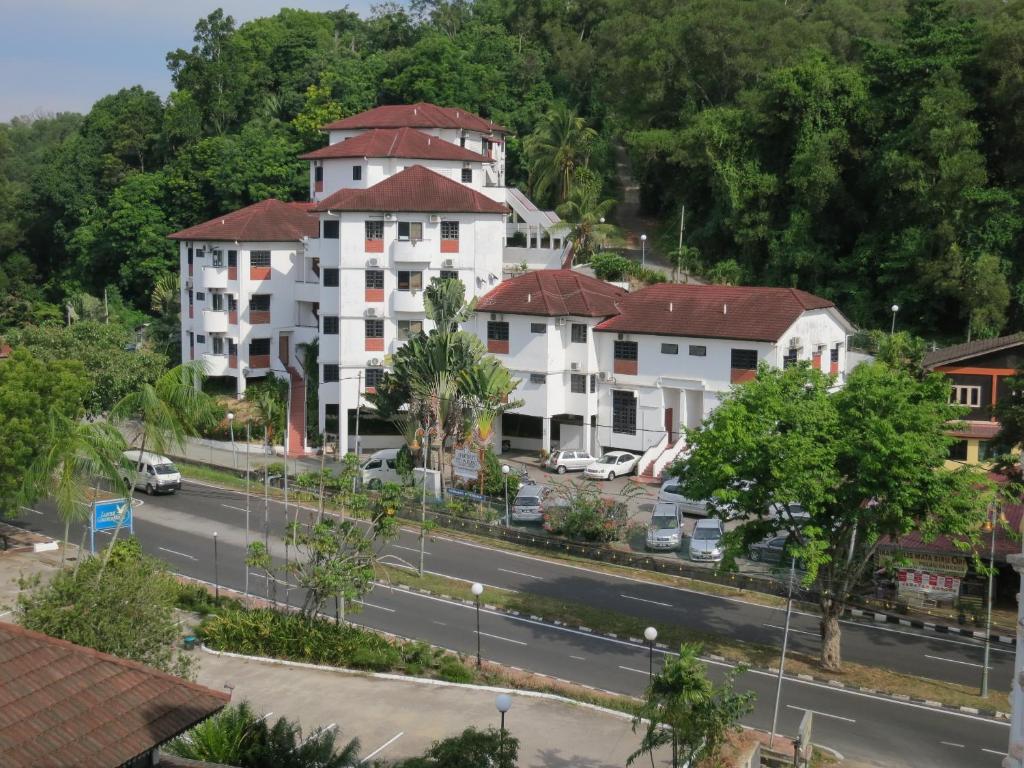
(672,491)
(706,541)
(529,503)
(664,532)
(569,461)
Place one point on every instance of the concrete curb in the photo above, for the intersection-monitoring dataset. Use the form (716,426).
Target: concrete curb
(877,617)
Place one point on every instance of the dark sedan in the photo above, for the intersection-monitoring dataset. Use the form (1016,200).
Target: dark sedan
(768,551)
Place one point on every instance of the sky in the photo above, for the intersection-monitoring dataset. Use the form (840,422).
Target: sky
(64,55)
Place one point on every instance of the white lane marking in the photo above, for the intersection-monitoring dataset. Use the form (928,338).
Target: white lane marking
(725,664)
(499,637)
(179,554)
(952,744)
(578,658)
(993,752)
(798,631)
(439,623)
(517,573)
(5,613)
(239,509)
(29,509)
(381,748)
(644,600)
(409,549)
(823,714)
(263,576)
(641,671)
(954,661)
(374,605)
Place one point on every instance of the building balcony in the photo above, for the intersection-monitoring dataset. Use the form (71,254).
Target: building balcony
(407,301)
(625,367)
(259,361)
(259,317)
(373,246)
(307,290)
(449,246)
(413,251)
(260,273)
(215,321)
(497,346)
(232,317)
(216,365)
(213,277)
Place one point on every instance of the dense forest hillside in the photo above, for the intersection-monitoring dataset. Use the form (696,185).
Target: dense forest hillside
(866,150)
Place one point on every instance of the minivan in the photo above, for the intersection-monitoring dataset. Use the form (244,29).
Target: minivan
(529,503)
(562,461)
(380,468)
(153,473)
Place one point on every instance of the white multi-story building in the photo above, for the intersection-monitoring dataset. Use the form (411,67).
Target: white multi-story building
(602,368)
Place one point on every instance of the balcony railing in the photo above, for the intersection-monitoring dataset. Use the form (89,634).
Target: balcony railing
(215,321)
(374,344)
(497,346)
(259,316)
(259,361)
(625,367)
(740,375)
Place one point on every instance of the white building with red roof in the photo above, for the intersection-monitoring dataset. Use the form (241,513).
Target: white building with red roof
(601,368)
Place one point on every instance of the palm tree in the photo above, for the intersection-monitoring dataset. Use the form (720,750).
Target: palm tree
(163,415)
(559,145)
(486,388)
(75,454)
(685,259)
(585,212)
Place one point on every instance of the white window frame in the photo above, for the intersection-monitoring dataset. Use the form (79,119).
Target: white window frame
(966,394)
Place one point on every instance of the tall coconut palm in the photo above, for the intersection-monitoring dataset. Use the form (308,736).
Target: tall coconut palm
(586,212)
(559,145)
(162,416)
(76,454)
(486,388)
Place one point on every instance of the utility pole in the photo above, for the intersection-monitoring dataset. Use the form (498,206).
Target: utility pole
(682,221)
(248,440)
(785,641)
(359,407)
(1015,756)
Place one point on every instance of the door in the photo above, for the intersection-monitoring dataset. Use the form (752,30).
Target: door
(282,349)
(670,426)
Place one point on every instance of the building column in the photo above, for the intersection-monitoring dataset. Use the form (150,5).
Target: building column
(240,385)
(1015,751)
(588,437)
(546,434)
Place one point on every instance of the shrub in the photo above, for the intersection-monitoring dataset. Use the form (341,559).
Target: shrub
(586,515)
(454,671)
(610,266)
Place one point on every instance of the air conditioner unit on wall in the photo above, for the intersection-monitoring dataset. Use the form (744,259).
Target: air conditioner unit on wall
(435,218)
(603,376)
(448,263)
(371,262)
(794,342)
(575,366)
(371,312)
(373,362)
(560,321)
(389,217)
(496,316)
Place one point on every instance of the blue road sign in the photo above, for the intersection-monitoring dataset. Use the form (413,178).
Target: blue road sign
(105,515)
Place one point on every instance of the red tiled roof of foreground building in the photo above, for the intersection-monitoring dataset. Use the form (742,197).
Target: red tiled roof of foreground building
(553,293)
(266,221)
(1007,540)
(62,704)
(712,311)
(421,115)
(395,142)
(416,189)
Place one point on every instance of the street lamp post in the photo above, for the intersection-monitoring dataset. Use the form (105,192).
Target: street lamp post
(995,515)
(216,571)
(248,440)
(785,642)
(231,427)
(643,250)
(650,634)
(894,309)
(504,703)
(505,469)
(1015,748)
(477,589)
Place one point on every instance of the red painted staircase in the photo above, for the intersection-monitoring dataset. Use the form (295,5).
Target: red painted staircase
(297,415)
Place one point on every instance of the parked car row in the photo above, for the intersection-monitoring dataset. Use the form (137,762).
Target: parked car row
(606,467)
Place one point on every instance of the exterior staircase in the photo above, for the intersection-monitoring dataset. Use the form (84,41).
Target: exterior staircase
(297,415)
(657,458)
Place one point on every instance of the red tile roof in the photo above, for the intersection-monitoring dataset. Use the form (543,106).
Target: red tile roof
(265,221)
(712,311)
(395,142)
(421,115)
(982,430)
(416,189)
(553,293)
(969,349)
(62,704)
(1007,539)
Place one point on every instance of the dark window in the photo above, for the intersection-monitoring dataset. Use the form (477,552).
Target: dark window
(374,229)
(623,412)
(449,274)
(331,230)
(593,383)
(217,258)
(232,302)
(259,302)
(538,378)
(331,372)
(200,296)
(200,339)
(330,325)
(259,258)
(986,451)
(410,230)
(579,333)
(578,383)
(449,230)
(467,173)
(833,354)
(373,377)
(698,350)
(218,344)
(538,328)
(410,281)
(232,347)
(331,277)
(318,173)
(497,331)
(670,349)
(406,329)
(232,258)
(331,421)
(625,350)
(357,173)
(958,451)
(375,329)
(743,359)
(190,297)
(375,278)
(259,347)
(191,254)
(217,301)
(200,253)
(789,358)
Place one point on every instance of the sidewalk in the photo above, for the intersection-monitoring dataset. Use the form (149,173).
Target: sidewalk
(396,719)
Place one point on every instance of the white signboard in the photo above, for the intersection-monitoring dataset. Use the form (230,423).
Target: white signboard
(466,463)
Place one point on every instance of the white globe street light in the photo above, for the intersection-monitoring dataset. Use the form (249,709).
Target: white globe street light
(231,426)
(477,589)
(651,634)
(894,308)
(643,250)
(505,469)
(503,703)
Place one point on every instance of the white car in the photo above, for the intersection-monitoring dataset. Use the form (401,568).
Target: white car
(569,461)
(613,464)
(671,491)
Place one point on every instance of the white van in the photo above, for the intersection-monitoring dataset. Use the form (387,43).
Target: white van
(153,473)
(380,468)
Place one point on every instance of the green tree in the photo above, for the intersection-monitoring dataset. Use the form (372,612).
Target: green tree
(472,748)
(559,145)
(865,462)
(30,391)
(683,709)
(128,611)
(585,211)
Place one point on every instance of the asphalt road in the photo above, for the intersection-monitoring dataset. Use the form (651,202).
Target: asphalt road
(179,529)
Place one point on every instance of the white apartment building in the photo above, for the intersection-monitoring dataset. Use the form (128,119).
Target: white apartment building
(605,369)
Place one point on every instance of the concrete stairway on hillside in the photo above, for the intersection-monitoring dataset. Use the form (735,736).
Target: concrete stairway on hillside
(297,415)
